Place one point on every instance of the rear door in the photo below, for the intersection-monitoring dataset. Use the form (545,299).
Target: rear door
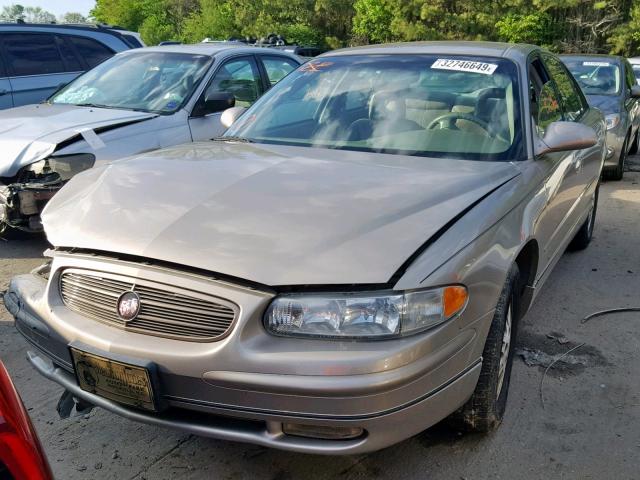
(35,65)
(6,99)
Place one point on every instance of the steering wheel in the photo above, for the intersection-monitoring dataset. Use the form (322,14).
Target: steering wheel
(448,120)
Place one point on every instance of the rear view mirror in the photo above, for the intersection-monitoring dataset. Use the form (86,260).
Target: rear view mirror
(214,102)
(635,91)
(230,115)
(565,136)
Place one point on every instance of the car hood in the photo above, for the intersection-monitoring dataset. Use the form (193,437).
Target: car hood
(32,132)
(606,103)
(270,214)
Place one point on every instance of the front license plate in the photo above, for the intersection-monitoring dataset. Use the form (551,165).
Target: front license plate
(121,382)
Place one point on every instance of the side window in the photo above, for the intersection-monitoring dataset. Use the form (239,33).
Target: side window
(92,51)
(572,98)
(630,76)
(32,54)
(72,63)
(545,105)
(277,68)
(239,77)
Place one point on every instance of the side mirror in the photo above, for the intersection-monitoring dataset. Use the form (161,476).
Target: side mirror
(230,115)
(565,136)
(635,91)
(214,102)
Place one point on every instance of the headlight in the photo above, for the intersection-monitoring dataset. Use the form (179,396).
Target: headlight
(364,315)
(612,121)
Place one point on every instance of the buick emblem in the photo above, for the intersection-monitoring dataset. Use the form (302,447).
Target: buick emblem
(128,306)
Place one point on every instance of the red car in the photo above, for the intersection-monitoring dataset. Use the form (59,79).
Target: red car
(21,454)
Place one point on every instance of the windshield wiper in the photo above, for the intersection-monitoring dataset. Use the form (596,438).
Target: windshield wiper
(232,139)
(94,105)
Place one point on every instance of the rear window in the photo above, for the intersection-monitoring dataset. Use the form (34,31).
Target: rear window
(92,51)
(32,54)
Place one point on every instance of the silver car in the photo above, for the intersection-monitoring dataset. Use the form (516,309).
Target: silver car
(609,84)
(348,268)
(137,101)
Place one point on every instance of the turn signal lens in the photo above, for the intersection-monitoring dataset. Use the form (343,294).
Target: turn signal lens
(454,299)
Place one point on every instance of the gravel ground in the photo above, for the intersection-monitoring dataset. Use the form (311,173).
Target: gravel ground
(588,426)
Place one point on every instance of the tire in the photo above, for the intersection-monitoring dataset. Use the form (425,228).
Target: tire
(634,146)
(584,235)
(617,172)
(483,412)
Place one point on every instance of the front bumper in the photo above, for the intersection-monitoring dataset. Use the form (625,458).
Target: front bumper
(391,389)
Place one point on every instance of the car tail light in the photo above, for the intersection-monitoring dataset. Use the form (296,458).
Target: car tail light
(20,450)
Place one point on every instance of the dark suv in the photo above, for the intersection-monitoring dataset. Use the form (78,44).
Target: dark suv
(36,59)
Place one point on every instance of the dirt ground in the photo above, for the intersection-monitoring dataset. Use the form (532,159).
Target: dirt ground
(587,427)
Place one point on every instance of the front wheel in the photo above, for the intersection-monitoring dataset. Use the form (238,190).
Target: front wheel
(617,172)
(483,412)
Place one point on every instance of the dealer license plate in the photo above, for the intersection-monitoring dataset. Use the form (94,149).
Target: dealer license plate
(121,382)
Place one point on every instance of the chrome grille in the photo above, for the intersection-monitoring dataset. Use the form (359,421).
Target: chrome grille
(163,312)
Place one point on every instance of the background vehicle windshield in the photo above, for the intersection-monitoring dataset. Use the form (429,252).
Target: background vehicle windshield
(428,105)
(151,82)
(595,76)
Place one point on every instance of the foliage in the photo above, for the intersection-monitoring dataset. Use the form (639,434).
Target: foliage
(592,26)
(73,17)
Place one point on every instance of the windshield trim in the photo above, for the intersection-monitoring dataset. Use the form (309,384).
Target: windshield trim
(135,52)
(516,152)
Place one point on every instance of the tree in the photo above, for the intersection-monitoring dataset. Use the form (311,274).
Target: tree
(38,15)
(73,17)
(535,28)
(12,13)
(372,21)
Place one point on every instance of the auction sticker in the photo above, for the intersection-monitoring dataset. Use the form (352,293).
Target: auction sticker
(465,66)
(596,64)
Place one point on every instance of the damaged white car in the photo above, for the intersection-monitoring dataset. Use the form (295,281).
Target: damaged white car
(137,101)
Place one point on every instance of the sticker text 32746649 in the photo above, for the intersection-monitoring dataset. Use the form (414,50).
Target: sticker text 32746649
(465,66)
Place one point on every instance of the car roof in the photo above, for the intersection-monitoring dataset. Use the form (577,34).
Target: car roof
(66,26)
(479,49)
(601,56)
(211,49)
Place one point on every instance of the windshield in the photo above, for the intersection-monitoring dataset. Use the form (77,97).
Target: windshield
(150,81)
(427,105)
(595,76)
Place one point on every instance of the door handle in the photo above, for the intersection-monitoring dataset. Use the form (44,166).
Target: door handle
(3,92)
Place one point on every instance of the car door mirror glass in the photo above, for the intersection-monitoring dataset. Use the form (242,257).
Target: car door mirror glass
(565,136)
(635,91)
(230,115)
(215,102)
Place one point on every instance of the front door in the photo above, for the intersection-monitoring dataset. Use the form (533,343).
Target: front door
(238,76)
